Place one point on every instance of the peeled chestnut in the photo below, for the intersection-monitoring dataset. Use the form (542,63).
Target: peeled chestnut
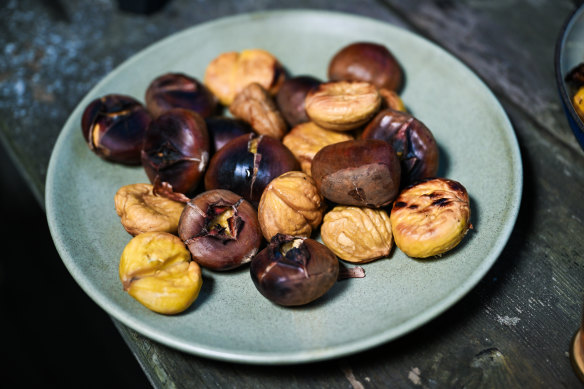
(364,172)
(178,90)
(411,140)
(222,129)
(290,98)
(293,270)
(247,164)
(220,229)
(366,61)
(113,127)
(176,149)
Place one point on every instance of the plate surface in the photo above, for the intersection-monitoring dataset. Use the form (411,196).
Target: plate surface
(230,320)
(570,53)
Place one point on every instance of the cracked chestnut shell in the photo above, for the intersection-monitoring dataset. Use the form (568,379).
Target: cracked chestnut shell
(294,271)
(178,90)
(176,149)
(366,61)
(114,126)
(247,164)
(413,142)
(220,229)
(290,98)
(363,172)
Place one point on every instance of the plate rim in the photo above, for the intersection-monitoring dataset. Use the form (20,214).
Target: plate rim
(281,358)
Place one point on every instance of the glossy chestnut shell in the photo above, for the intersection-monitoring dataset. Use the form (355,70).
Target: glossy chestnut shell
(366,61)
(178,90)
(247,164)
(293,271)
(363,172)
(413,142)
(114,126)
(220,229)
(176,149)
(290,98)
(222,129)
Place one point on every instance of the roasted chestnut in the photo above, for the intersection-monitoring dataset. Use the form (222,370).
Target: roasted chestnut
(366,61)
(411,140)
(293,270)
(247,164)
(364,172)
(113,127)
(222,129)
(290,98)
(176,149)
(178,90)
(220,229)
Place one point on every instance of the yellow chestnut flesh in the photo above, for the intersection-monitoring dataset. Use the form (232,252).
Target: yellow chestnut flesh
(430,218)
(156,269)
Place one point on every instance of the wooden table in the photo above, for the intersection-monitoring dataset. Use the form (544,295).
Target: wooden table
(512,330)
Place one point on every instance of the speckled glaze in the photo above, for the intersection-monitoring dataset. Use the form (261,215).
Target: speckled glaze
(230,320)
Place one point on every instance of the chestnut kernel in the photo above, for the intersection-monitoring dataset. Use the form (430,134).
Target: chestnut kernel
(411,140)
(290,98)
(247,164)
(220,229)
(293,271)
(176,149)
(364,172)
(178,90)
(222,129)
(113,127)
(369,62)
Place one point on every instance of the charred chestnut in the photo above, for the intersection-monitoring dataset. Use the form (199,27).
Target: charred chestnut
(364,172)
(176,149)
(247,164)
(411,140)
(113,127)
(294,271)
(367,61)
(222,129)
(220,229)
(177,90)
(290,98)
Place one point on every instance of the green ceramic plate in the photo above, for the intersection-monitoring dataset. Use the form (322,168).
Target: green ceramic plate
(230,320)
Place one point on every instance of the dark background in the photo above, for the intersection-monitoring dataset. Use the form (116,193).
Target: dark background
(53,334)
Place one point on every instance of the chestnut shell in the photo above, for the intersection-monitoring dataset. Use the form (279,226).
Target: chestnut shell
(222,129)
(366,61)
(290,98)
(299,276)
(178,90)
(214,249)
(362,172)
(176,149)
(247,164)
(114,126)
(413,142)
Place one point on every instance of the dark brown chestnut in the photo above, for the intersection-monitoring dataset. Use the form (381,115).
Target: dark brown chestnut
(363,172)
(220,229)
(178,90)
(113,127)
(176,149)
(222,129)
(294,271)
(290,98)
(366,61)
(247,164)
(413,142)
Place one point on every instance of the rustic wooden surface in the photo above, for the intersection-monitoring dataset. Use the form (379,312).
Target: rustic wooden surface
(512,330)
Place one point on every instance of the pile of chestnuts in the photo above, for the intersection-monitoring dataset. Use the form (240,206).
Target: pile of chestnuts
(251,165)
